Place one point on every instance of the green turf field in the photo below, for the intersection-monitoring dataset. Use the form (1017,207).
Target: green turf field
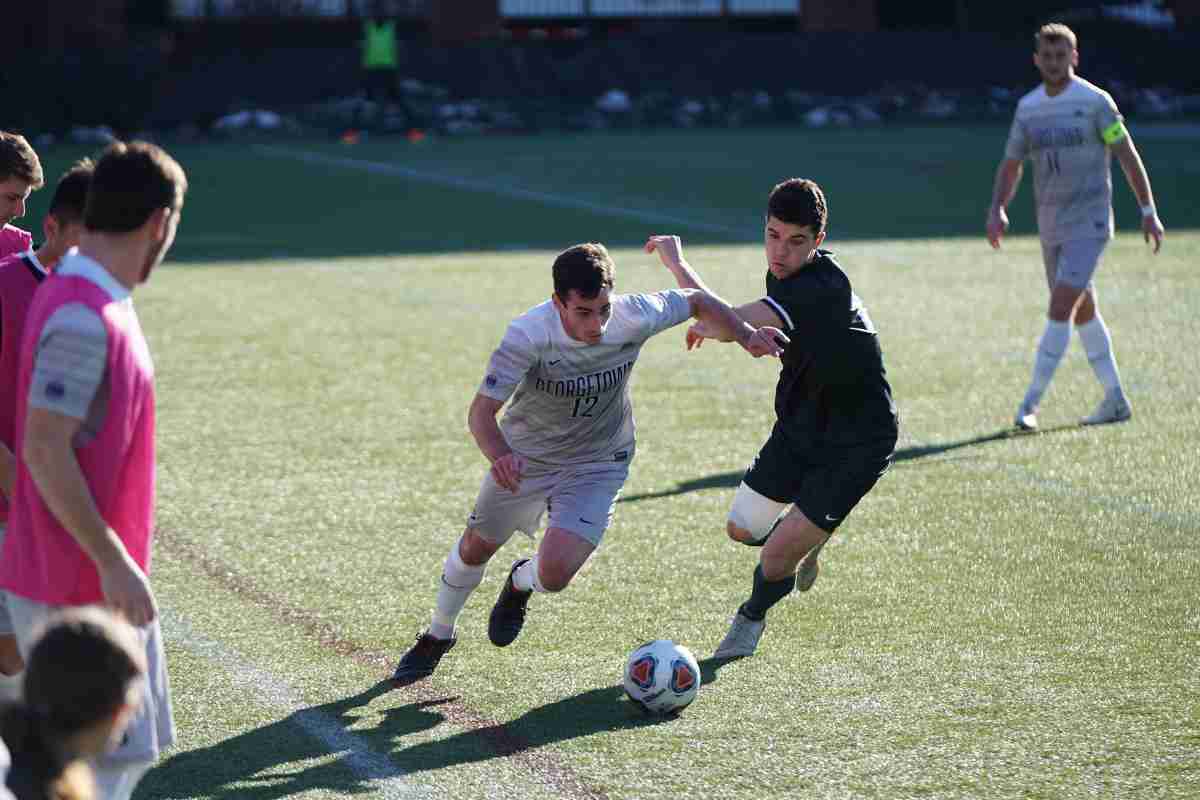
(1002,617)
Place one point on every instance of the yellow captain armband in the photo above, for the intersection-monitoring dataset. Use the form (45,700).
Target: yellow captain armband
(1113,133)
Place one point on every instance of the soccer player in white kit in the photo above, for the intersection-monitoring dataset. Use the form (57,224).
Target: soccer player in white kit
(565,443)
(1070,128)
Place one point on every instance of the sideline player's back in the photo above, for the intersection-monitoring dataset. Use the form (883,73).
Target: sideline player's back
(571,403)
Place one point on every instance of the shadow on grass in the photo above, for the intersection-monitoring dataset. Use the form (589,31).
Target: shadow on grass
(730,480)
(275,760)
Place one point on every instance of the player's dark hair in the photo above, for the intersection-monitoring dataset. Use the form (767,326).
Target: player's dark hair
(586,268)
(799,201)
(132,181)
(70,195)
(1053,32)
(18,160)
(84,667)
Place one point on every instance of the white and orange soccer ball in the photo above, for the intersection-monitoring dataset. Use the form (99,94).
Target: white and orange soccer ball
(662,677)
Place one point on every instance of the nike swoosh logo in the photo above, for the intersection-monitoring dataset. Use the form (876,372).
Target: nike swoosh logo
(831,519)
(552,363)
(588,521)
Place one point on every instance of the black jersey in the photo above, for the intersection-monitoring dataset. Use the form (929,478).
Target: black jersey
(833,387)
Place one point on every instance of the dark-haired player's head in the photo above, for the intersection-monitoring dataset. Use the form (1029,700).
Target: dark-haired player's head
(1056,53)
(137,191)
(583,282)
(795,228)
(20,174)
(63,223)
(81,687)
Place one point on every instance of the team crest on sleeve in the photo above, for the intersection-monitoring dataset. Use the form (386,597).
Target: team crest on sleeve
(641,671)
(682,676)
(491,381)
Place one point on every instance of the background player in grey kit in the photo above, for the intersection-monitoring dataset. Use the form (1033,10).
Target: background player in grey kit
(836,425)
(1069,129)
(566,441)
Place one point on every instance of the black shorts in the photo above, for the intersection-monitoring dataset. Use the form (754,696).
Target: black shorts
(824,481)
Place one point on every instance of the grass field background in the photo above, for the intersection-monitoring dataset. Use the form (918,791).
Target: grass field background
(1003,616)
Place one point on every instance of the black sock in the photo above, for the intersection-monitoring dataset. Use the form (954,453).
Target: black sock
(766,594)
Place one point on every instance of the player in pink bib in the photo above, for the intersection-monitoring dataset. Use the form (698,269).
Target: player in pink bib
(82,512)
(20,275)
(20,175)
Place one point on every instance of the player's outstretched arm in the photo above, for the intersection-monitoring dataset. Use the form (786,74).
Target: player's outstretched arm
(506,465)
(1004,188)
(670,251)
(718,320)
(1139,182)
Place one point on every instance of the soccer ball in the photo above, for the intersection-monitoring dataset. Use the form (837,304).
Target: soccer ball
(662,677)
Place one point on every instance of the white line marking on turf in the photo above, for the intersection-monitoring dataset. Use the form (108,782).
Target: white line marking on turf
(384,776)
(468,184)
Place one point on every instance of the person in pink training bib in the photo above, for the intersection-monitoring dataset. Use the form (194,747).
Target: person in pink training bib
(20,175)
(20,275)
(82,512)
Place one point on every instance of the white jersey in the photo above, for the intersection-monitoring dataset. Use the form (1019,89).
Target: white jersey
(570,400)
(1067,137)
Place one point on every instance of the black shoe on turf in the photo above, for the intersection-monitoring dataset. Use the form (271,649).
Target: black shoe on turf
(508,615)
(421,659)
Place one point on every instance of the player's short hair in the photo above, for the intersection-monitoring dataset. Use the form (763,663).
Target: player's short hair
(18,160)
(586,268)
(70,195)
(799,201)
(1053,32)
(132,181)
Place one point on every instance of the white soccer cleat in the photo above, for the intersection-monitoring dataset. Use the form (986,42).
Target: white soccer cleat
(1026,418)
(1113,408)
(742,639)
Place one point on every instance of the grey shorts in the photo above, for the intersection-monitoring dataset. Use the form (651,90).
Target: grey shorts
(1072,263)
(580,498)
(153,728)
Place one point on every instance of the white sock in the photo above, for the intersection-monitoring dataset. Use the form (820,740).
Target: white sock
(459,580)
(1051,348)
(526,578)
(1098,346)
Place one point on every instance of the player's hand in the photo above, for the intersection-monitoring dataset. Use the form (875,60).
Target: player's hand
(997,226)
(506,471)
(669,249)
(1152,228)
(127,591)
(766,341)
(697,332)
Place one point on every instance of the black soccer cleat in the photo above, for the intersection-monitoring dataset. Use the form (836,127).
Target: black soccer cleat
(421,659)
(508,615)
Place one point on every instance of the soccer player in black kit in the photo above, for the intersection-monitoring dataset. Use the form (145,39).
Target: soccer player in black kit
(836,424)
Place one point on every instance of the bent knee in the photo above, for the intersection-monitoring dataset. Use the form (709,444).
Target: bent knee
(474,549)
(738,533)
(554,577)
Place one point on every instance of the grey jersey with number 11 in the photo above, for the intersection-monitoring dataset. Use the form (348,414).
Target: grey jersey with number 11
(570,400)
(1064,136)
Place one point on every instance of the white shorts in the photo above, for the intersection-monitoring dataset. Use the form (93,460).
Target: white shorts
(580,498)
(153,728)
(1072,263)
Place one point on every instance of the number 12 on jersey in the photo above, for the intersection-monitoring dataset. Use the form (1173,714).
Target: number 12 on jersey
(584,405)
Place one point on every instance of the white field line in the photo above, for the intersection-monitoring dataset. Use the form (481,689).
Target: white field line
(503,190)
(384,776)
